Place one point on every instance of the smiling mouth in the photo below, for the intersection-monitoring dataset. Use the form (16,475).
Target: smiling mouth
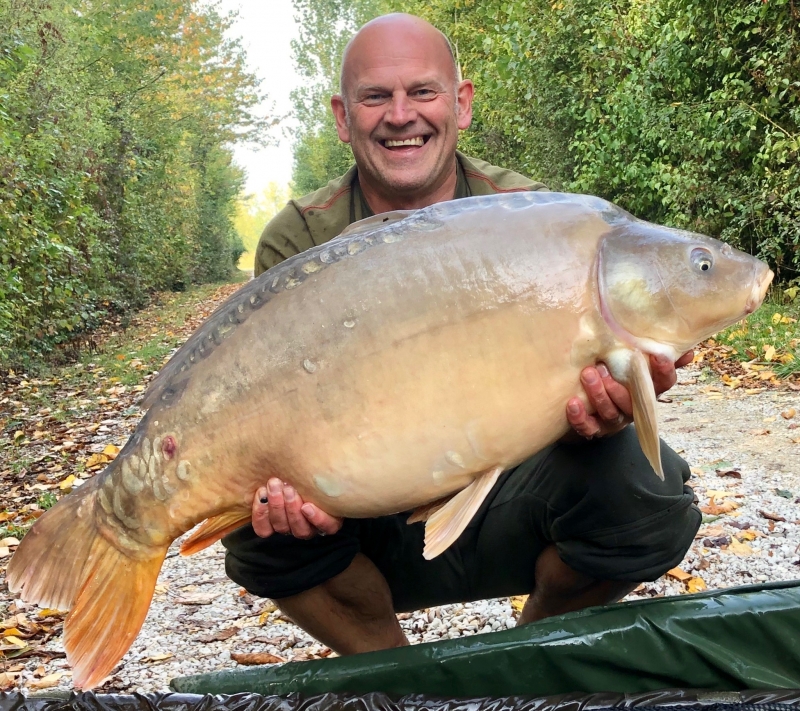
(403,142)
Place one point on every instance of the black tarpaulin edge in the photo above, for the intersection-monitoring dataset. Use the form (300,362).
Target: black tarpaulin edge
(740,638)
(664,700)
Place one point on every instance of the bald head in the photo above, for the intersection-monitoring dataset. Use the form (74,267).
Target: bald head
(394,34)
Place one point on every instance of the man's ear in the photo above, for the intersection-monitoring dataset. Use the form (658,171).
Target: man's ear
(339,113)
(464,94)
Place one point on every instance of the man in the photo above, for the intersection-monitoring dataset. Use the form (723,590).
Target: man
(581,523)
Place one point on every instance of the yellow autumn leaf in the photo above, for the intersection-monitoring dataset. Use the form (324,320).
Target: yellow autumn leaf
(50,612)
(518,602)
(695,585)
(769,353)
(746,536)
(45,682)
(111,451)
(678,574)
(739,548)
(789,414)
(776,317)
(67,483)
(97,460)
(19,434)
(16,641)
(11,632)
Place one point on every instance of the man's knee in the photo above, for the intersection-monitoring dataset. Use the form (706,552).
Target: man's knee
(608,513)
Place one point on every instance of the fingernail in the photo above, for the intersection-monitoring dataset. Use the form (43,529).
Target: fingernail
(602,370)
(274,487)
(590,377)
(307,509)
(288,493)
(573,408)
(262,495)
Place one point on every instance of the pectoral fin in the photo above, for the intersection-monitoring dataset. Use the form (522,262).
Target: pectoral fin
(448,522)
(643,395)
(424,512)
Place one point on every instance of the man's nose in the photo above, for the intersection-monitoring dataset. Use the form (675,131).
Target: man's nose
(401,110)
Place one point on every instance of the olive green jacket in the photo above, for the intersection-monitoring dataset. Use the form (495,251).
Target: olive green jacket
(323,214)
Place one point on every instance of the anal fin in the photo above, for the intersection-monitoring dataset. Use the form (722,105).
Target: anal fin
(449,521)
(643,396)
(212,529)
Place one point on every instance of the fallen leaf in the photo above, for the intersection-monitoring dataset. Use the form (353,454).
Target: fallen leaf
(759,433)
(518,602)
(217,636)
(67,483)
(252,659)
(197,598)
(11,632)
(96,461)
(769,353)
(746,536)
(49,612)
(16,641)
(158,657)
(740,549)
(111,451)
(783,493)
(771,516)
(46,682)
(678,574)
(789,414)
(695,585)
(732,473)
(7,681)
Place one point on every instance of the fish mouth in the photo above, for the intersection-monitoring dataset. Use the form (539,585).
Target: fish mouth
(759,291)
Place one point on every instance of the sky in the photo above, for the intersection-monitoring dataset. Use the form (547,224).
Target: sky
(266,29)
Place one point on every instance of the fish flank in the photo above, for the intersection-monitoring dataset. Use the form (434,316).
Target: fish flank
(285,276)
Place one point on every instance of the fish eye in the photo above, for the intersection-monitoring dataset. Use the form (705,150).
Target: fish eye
(702,259)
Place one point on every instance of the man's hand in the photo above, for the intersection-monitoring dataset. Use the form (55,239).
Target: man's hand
(278,508)
(612,401)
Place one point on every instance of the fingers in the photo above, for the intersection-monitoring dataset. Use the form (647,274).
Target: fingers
(324,523)
(260,514)
(663,371)
(278,508)
(284,510)
(606,395)
(685,359)
(583,423)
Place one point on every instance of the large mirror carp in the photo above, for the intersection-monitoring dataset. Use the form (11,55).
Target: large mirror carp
(413,358)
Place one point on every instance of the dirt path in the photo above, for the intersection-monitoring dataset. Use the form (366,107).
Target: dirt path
(742,449)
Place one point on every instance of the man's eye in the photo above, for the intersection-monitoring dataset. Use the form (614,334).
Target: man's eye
(374,98)
(425,93)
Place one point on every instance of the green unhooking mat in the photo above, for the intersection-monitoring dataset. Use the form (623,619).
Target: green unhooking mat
(742,638)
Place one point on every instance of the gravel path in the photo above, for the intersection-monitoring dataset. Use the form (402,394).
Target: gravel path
(743,458)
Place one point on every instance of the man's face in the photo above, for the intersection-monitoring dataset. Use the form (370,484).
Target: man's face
(402,111)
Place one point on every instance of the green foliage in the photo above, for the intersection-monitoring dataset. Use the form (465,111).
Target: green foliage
(685,112)
(325,28)
(115,175)
(252,213)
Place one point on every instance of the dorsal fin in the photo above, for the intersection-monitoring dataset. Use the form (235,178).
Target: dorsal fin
(371,223)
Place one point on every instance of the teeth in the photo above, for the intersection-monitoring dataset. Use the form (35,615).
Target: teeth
(407,142)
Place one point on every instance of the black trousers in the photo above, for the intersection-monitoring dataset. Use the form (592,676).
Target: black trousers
(600,503)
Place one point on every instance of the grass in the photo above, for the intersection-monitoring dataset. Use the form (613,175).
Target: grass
(769,336)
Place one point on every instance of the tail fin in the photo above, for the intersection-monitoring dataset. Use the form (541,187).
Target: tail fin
(65,563)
